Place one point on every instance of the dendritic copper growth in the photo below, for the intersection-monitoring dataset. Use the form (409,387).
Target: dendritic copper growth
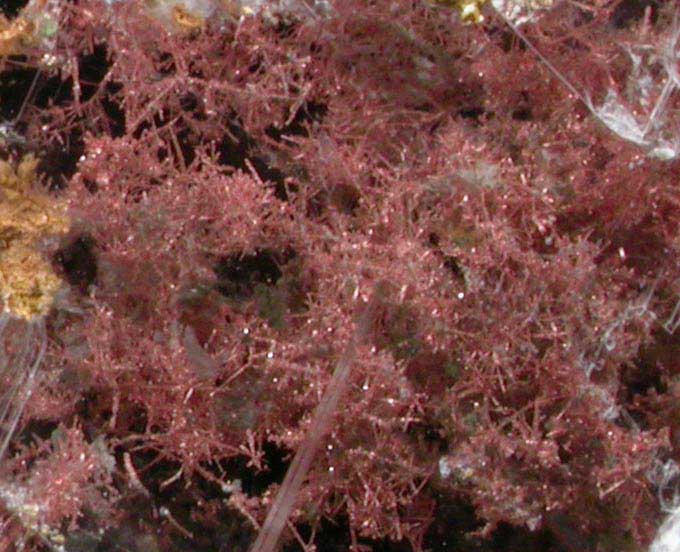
(339,275)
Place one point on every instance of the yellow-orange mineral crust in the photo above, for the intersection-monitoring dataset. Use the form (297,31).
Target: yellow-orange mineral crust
(27,281)
(13,35)
(28,284)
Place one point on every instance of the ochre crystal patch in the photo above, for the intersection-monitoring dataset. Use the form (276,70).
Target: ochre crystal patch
(27,282)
